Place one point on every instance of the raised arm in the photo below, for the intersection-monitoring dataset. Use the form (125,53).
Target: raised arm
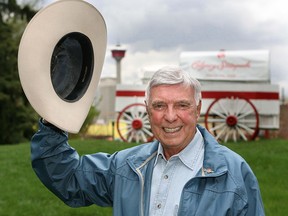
(78,181)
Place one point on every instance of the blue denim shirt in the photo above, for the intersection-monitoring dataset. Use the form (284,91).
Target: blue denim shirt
(170,176)
(225,185)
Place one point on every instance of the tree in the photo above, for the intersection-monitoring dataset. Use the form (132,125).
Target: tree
(16,115)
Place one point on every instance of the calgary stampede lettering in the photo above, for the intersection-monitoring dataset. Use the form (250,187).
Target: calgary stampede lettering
(221,65)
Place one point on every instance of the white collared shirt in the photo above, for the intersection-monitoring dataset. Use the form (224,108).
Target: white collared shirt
(169,177)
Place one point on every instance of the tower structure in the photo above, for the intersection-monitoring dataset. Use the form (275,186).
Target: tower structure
(118,53)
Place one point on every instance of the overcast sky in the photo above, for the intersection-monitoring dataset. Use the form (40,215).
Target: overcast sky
(156,32)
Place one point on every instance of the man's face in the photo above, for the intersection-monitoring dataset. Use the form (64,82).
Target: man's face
(173,116)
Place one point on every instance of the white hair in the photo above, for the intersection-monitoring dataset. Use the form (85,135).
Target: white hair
(172,75)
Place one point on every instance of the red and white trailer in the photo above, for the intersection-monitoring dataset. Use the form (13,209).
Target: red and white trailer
(237,98)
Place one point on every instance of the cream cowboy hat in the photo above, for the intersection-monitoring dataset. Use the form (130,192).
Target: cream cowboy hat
(60,59)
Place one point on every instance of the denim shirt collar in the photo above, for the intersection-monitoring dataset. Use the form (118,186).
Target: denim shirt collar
(189,154)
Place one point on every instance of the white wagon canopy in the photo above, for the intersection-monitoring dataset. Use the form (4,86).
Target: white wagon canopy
(251,66)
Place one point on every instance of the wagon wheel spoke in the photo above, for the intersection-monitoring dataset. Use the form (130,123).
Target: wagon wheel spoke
(240,106)
(142,115)
(130,136)
(126,122)
(248,129)
(247,121)
(134,113)
(246,114)
(216,120)
(137,136)
(221,132)
(235,135)
(128,117)
(234,106)
(227,135)
(241,134)
(145,120)
(143,136)
(218,114)
(127,131)
(224,110)
(148,132)
(218,127)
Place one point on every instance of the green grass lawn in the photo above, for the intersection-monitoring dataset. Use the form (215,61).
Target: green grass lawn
(21,193)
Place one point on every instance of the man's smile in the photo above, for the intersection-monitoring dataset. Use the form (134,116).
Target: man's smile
(172,130)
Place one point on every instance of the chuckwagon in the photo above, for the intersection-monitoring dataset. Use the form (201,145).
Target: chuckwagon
(238,100)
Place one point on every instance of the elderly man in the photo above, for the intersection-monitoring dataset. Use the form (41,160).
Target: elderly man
(185,171)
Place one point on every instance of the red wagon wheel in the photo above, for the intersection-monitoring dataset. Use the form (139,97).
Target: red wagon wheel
(133,124)
(232,118)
